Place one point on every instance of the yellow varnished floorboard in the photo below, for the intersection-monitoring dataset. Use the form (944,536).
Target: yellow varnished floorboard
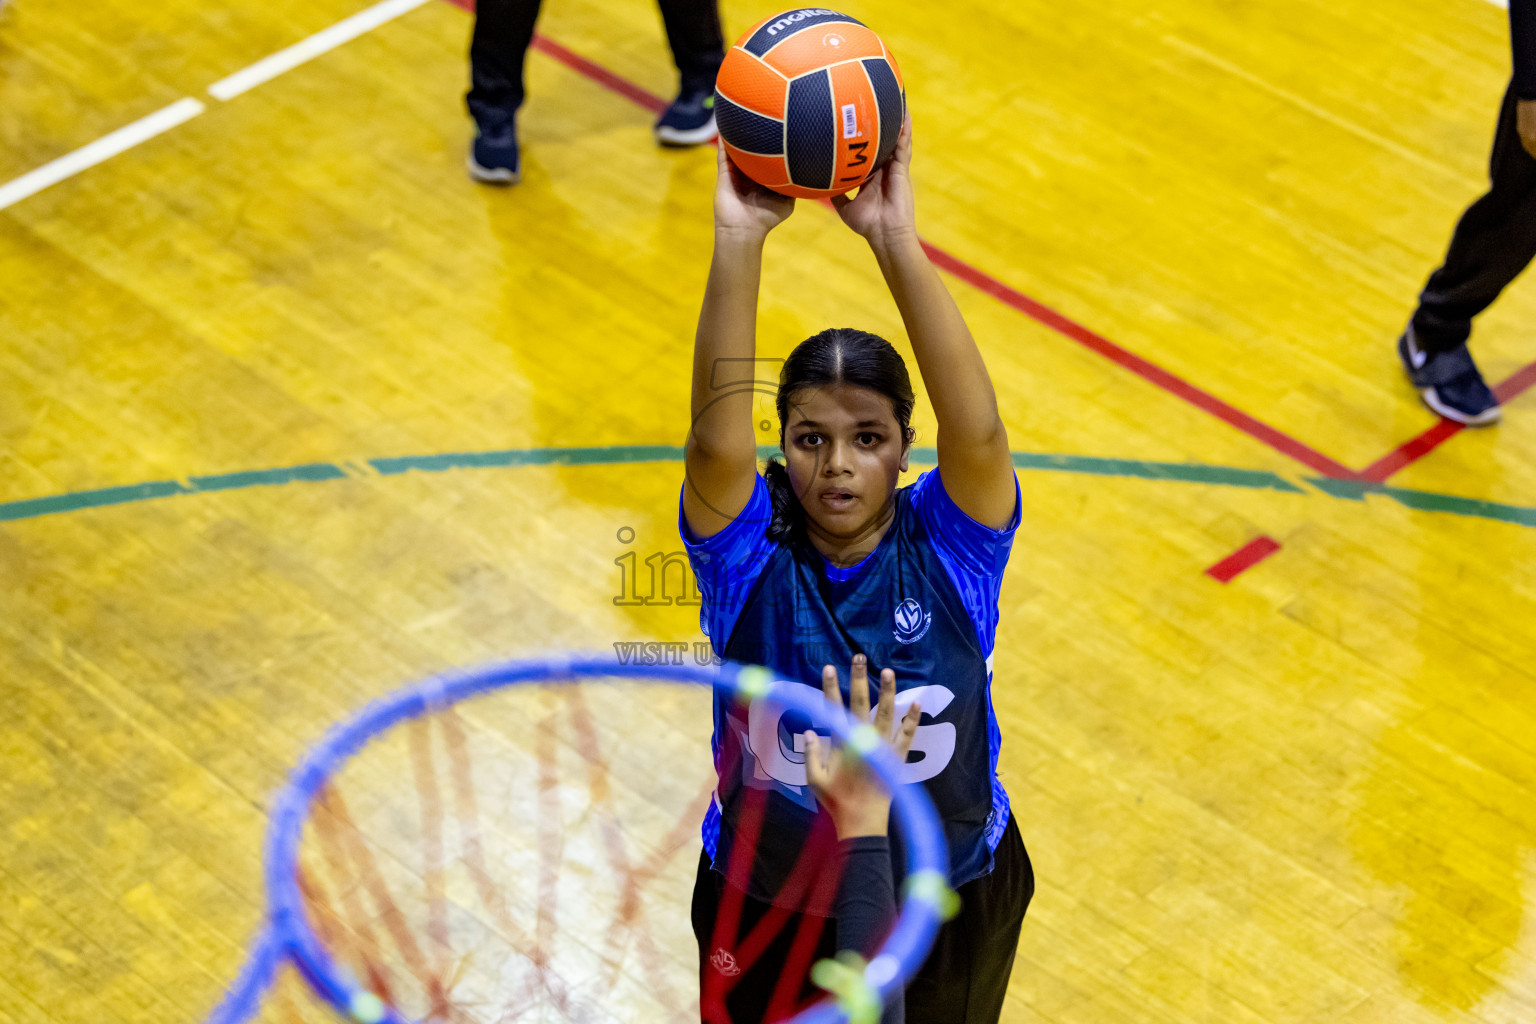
(1307,795)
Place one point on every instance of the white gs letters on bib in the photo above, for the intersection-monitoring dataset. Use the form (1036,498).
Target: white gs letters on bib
(936,741)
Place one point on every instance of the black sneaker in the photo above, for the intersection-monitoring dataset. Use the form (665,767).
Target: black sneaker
(493,158)
(1449,383)
(688,120)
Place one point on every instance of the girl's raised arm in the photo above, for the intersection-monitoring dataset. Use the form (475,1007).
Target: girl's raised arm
(721,450)
(974,459)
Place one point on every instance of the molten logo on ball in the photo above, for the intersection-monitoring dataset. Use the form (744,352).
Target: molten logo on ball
(810,114)
(786,20)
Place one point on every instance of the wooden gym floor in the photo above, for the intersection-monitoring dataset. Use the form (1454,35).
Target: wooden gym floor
(1185,233)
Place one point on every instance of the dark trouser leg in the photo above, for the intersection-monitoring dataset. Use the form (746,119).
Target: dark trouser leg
(752,984)
(698,45)
(503,31)
(965,977)
(1494,241)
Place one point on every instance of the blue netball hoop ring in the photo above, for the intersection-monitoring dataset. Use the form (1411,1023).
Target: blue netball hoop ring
(287,935)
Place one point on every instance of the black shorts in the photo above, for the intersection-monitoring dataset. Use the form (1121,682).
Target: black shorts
(963,981)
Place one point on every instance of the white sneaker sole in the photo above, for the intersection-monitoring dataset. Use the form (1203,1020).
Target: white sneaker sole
(1482,419)
(668,136)
(492,175)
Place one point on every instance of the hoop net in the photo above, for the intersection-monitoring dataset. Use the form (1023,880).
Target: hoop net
(476,852)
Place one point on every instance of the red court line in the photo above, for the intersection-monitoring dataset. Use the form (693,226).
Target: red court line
(599,74)
(1013,298)
(1377,472)
(1518,383)
(1244,558)
(1143,368)
(1411,451)
(582,66)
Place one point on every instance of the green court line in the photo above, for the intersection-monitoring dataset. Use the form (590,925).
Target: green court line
(1352,490)
(1185,472)
(1428,501)
(615,454)
(1141,469)
(31,508)
(310,473)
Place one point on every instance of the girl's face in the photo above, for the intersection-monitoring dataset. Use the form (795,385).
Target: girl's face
(845,451)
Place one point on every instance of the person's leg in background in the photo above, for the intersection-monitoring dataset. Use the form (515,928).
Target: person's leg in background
(497,51)
(698,47)
(966,975)
(1494,241)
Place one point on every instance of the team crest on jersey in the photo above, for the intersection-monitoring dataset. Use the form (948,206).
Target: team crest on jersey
(724,963)
(911,622)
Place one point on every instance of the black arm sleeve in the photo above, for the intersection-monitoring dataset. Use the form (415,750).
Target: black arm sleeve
(1522,40)
(866,903)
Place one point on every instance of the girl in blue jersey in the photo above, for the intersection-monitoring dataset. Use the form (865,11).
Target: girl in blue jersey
(822,560)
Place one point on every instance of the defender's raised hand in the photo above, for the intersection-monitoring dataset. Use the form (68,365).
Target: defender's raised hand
(856,799)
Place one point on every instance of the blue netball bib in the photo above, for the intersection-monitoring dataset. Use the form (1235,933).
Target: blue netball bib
(924,604)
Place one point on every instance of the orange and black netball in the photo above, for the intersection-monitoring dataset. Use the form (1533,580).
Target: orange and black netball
(809,103)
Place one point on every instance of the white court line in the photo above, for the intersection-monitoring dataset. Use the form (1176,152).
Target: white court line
(269,68)
(181,111)
(184,110)
(103,148)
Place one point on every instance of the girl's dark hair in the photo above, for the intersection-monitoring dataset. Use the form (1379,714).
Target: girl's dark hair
(836,356)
